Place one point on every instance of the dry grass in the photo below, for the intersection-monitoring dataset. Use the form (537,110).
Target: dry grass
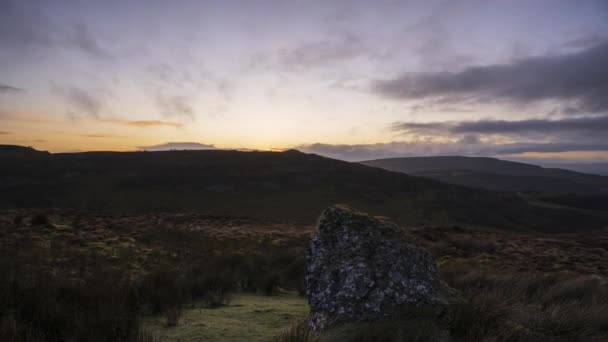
(59,269)
(514,286)
(297,332)
(585,254)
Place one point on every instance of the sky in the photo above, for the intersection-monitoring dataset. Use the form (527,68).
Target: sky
(352,79)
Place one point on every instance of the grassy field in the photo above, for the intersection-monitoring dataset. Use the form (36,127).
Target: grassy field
(81,276)
(247,318)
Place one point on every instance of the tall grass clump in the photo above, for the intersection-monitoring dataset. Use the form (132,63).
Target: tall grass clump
(297,332)
(512,306)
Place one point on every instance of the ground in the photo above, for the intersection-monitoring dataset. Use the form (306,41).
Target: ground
(246,318)
(539,286)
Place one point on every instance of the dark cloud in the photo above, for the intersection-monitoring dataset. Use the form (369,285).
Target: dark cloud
(24,27)
(81,100)
(464,147)
(583,127)
(516,148)
(585,41)
(580,78)
(6,89)
(480,138)
(4,133)
(177,146)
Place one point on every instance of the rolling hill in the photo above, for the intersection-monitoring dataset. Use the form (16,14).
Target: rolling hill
(286,186)
(496,174)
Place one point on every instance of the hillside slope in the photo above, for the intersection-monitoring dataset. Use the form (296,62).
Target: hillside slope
(496,174)
(287,186)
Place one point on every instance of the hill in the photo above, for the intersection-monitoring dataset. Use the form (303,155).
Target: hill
(597,168)
(496,174)
(286,186)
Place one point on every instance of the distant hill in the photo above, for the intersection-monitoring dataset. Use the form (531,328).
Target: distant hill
(287,186)
(597,168)
(496,174)
(16,151)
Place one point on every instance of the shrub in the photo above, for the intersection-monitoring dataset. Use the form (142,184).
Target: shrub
(18,219)
(473,245)
(158,290)
(100,308)
(173,314)
(481,316)
(40,220)
(527,307)
(146,336)
(297,332)
(411,330)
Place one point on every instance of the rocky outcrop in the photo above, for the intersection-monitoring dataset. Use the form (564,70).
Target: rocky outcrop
(359,268)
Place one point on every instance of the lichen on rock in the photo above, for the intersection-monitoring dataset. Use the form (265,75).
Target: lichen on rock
(359,268)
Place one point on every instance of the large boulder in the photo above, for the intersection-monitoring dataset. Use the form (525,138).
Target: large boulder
(359,268)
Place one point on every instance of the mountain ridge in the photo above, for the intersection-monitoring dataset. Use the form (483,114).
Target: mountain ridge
(285,186)
(495,174)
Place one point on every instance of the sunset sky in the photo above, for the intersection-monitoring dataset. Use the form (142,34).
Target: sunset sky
(347,79)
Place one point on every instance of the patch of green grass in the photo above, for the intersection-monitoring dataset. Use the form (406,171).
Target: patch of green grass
(247,318)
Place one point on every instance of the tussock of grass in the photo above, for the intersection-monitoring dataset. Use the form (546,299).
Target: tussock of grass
(297,332)
(522,306)
(99,288)
(96,278)
(248,318)
(500,306)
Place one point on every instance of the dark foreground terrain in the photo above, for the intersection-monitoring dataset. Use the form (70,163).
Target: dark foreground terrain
(287,186)
(71,275)
(496,174)
(211,245)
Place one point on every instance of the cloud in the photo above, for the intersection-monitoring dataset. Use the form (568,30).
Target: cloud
(80,99)
(21,25)
(140,123)
(175,88)
(153,123)
(431,42)
(581,127)
(4,133)
(465,147)
(24,117)
(579,78)
(585,41)
(25,26)
(6,89)
(500,137)
(175,106)
(81,37)
(101,136)
(177,146)
(319,53)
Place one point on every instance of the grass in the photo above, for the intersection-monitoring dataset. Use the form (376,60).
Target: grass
(189,277)
(247,318)
(56,268)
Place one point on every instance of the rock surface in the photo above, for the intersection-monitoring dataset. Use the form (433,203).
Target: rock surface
(359,268)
